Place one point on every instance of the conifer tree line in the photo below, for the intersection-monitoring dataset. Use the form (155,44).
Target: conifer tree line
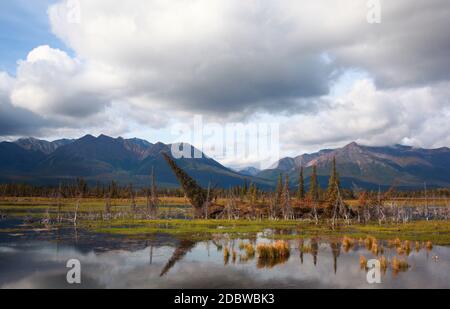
(248,191)
(73,189)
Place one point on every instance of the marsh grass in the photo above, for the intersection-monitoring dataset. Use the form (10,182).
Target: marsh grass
(399,265)
(226,255)
(417,246)
(375,248)
(369,242)
(384,263)
(347,243)
(270,255)
(250,251)
(363,262)
(122,222)
(234,256)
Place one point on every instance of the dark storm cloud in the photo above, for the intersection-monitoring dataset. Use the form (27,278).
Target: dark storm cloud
(409,48)
(232,59)
(18,121)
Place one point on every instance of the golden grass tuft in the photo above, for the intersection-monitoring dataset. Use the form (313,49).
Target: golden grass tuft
(363,262)
(347,243)
(250,251)
(226,255)
(383,263)
(407,247)
(369,242)
(399,265)
(270,255)
(395,243)
(429,245)
(417,246)
(234,256)
(375,248)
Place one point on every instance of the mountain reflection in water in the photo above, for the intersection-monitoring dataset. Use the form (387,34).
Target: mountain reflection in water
(38,260)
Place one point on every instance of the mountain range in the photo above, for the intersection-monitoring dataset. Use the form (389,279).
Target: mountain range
(103,159)
(398,165)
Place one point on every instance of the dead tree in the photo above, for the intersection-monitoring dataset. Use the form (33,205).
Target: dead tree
(108,203)
(272,208)
(180,252)
(77,207)
(230,207)
(315,214)
(426,202)
(380,212)
(58,202)
(340,209)
(152,197)
(132,198)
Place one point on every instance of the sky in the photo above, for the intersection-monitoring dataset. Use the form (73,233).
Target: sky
(136,68)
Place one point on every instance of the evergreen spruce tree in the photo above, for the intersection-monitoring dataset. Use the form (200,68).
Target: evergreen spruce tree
(314,186)
(301,185)
(279,191)
(333,184)
(287,209)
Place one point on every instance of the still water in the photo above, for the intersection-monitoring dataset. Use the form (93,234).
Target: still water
(37,259)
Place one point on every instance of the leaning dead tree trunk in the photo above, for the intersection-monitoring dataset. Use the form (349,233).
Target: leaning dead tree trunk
(197,196)
(183,249)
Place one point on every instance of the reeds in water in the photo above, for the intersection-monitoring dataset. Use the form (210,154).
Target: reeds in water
(226,255)
(270,255)
(417,246)
(234,256)
(363,262)
(250,251)
(369,242)
(395,243)
(347,243)
(375,248)
(399,265)
(383,263)
(407,247)
(429,245)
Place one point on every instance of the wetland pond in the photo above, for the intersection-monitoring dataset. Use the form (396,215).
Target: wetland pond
(36,258)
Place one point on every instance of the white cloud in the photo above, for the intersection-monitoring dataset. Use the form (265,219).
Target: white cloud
(226,56)
(15,120)
(371,116)
(140,64)
(50,82)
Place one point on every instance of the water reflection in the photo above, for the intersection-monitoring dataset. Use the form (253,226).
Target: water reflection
(180,252)
(31,261)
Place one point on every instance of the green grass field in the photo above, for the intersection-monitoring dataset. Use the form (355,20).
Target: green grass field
(436,231)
